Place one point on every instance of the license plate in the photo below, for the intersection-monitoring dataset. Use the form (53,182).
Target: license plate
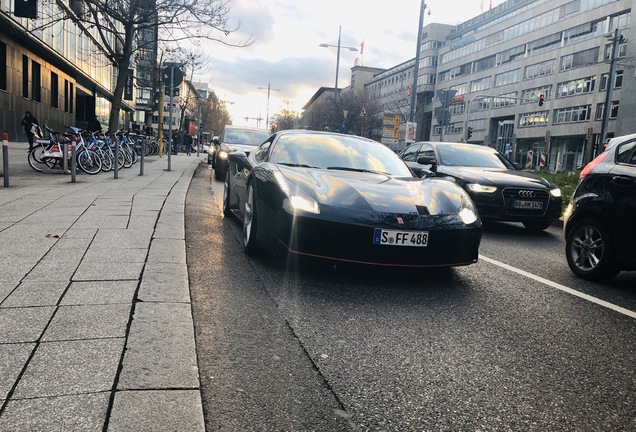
(532,205)
(400,238)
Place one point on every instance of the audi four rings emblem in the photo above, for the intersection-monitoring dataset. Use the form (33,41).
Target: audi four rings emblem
(527,194)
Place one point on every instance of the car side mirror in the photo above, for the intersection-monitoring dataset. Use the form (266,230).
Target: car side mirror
(427,160)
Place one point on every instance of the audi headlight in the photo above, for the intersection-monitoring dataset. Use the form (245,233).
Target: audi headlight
(480,188)
(296,200)
(467,212)
(556,193)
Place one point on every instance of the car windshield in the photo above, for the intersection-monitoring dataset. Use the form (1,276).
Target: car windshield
(245,136)
(472,156)
(337,152)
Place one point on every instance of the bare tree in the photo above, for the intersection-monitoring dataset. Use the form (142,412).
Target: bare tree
(214,114)
(286,118)
(119,22)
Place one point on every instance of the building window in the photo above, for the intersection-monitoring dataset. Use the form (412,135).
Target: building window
(457,108)
(66,83)
(503,100)
(55,90)
(575,87)
(36,82)
(534,119)
(582,32)
(3,66)
(461,89)
(539,69)
(485,63)
(618,80)
(71,97)
(480,84)
(532,95)
(572,114)
(579,59)
(25,76)
(600,111)
(507,78)
(512,54)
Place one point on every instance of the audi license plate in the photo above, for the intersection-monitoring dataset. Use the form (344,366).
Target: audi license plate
(400,238)
(531,205)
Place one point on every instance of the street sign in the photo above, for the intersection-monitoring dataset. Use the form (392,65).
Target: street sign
(445,96)
(175,72)
(443,116)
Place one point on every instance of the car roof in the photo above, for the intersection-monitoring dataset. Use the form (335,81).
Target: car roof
(319,132)
(619,140)
(463,144)
(245,128)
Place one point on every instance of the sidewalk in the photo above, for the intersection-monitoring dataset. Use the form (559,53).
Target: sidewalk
(96,328)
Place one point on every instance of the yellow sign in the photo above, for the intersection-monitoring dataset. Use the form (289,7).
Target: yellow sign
(391,126)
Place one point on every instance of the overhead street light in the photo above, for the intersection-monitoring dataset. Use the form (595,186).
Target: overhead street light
(269,89)
(423,7)
(324,45)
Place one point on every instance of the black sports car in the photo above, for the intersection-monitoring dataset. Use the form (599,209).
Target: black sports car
(345,198)
(499,189)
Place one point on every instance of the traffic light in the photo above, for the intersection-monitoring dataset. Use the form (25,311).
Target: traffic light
(541,99)
(470,133)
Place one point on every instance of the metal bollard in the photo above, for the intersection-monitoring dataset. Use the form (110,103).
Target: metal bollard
(5,159)
(141,157)
(64,149)
(73,158)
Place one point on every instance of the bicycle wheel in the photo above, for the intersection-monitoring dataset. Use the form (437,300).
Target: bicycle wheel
(89,162)
(35,158)
(107,162)
(127,157)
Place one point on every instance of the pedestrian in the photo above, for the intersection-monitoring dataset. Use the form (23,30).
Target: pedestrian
(94,125)
(30,124)
(187,141)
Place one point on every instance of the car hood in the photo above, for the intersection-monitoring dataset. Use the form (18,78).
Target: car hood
(494,177)
(377,192)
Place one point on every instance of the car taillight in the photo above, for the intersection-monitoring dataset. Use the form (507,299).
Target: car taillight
(589,167)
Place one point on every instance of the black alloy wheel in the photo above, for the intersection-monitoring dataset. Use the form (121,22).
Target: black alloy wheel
(589,251)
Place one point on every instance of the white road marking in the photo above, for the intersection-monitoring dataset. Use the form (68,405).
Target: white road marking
(563,288)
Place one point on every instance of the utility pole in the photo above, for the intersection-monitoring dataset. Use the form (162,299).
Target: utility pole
(417,61)
(616,40)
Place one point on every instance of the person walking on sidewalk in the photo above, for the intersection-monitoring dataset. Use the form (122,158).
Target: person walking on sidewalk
(30,123)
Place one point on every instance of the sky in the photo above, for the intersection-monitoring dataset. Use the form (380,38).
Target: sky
(285,55)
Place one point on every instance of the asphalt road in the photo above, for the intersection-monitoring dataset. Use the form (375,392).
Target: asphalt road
(514,342)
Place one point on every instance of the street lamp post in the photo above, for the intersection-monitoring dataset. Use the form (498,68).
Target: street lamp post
(417,61)
(269,89)
(324,45)
(616,39)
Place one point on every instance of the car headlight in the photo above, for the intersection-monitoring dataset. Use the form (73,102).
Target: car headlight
(480,188)
(556,193)
(296,200)
(222,154)
(467,212)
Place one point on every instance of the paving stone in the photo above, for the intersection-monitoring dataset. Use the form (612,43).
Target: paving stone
(153,411)
(99,292)
(83,412)
(71,367)
(88,322)
(23,324)
(36,293)
(13,357)
(169,364)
